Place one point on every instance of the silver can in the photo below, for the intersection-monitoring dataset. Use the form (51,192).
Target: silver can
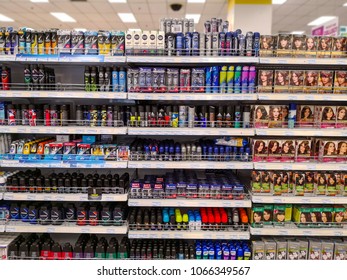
(215,43)
(185,25)
(182,116)
(191,25)
(202,43)
(208,43)
(191,116)
(162,25)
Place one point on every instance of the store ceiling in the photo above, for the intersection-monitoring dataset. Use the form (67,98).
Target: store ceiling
(100,14)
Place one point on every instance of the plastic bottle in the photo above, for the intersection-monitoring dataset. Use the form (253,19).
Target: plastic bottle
(122,80)
(87,79)
(115,79)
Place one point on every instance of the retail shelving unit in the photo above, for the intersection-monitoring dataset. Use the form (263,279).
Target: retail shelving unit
(163,131)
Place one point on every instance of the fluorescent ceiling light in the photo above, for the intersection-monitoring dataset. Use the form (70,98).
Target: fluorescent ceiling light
(297,32)
(117,1)
(278,2)
(127,17)
(63,17)
(80,29)
(195,17)
(320,20)
(5,18)
(345,5)
(196,1)
(39,1)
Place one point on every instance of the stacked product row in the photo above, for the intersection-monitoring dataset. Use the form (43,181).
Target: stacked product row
(230,149)
(294,45)
(314,216)
(212,219)
(34,181)
(294,150)
(298,183)
(81,214)
(273,116)
(302,81)
(299,249)
(216,79)
(188,184)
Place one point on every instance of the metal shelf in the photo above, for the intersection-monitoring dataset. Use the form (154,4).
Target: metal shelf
(62,94)
(190,131)
(189,203)
(292,230)
(14,226)
(324,166)
(191,59)
(302,60)
(63,58)
(61,197)
(299,199)
(301,97)
(187,96)
(64,129)
(2,226)
(301,132)
(190,164)
(61,164)
(197,234)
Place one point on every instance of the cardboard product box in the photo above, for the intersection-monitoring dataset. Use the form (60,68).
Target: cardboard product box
(299,183)
(311,46)
(332,186)
(276,182)
(327,250)
(288,213)
(338,47)
(338,214)
(275,116)
(265,80)
(70,148)
(341,152)
(268,214)
(281,81)
(303,151)
(117,42)
(267,45)
(123,153)
(160,43)
(256,181)
(340,250)
(261,116)
(282,249)
(293,250)
(286,186)
(274,150)
(309,183)
(265,182)
(299,45)
(320,183)
(325,81)
(152,45)
(315,250)
(303,243)
(270,248)
(258,250)
(324,47)
(84,148)
(284,45)
(340,82)
(56,148)
(110,151)
(145,42)
(63,138)
(305,116)
(257,215)
(327,150)
(279,215)
(311,81)
(137,42)
(260,150)
(97,150)
(296,82)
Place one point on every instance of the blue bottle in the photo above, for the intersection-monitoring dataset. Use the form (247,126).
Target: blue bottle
(115,80)
(122,80)
(208,79)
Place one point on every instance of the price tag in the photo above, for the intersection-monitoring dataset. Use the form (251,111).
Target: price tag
(264,60)
(47,197)
(85,230)
(307,232)
(144,235)
(132,235)
(60,197)
(21,58)
(148,97)
(308,97)
(165,236)
(338,233)
(311,61)
(256,231)
(220,236)
(31,197)
(156,203)
(239,204)
(283,232)
(83,197)
(133,203)
(110,230)
(292,97)
(261,132)
(208,236)
(7,58)
(282,61)
(327,200)
(341,61)
(10,229)
(8,196)
(230,166)
(50,229)
(178,235)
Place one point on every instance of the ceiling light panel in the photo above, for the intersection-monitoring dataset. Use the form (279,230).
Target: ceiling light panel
(63,17)
(4,18)
(127,17)
(320,20)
